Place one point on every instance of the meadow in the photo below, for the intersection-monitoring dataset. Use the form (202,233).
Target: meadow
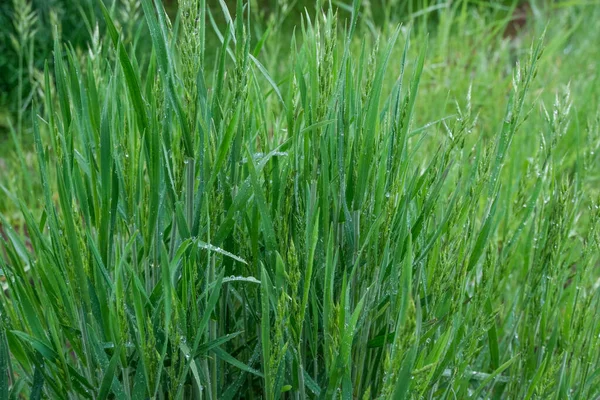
(351,200)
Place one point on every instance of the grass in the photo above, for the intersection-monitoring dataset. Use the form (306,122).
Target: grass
(350,211)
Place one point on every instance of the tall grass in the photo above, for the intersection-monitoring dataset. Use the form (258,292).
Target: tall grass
(340,215)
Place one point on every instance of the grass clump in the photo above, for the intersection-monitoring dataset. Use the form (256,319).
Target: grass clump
(345,215)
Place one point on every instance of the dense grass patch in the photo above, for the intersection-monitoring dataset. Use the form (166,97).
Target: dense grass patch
(353,210)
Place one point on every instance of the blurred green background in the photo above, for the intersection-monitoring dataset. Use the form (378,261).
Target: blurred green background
(27,27)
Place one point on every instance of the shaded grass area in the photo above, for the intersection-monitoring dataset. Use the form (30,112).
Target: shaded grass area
(351,210)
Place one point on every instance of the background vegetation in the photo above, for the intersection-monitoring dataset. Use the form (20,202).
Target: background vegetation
(267,201)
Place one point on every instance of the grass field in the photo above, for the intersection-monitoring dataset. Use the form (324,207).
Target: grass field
(351,202)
